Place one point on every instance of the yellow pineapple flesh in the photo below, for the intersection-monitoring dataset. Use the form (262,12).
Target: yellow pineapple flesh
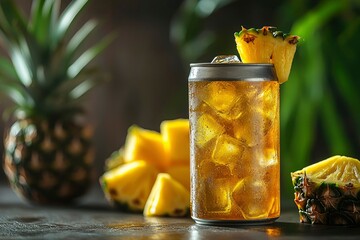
(167,198)
(128,185)
(130,172)
(146,145)
(267,45)
(328,192)
(176,141)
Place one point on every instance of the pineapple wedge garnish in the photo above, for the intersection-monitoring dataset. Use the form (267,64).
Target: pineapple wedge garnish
(267,45)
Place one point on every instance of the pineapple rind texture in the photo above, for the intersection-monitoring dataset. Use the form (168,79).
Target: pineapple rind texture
(41,165)
(327,201)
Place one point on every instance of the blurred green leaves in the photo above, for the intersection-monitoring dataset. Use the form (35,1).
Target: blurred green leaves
(319,112)
(187,29)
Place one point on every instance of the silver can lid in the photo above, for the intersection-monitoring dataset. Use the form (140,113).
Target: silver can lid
(232,72)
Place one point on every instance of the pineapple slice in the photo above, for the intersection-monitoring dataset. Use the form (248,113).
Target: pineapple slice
(128,186)
(266,45)
(336,169)
(167,198)
(328,192)
(175,135)
(147,145)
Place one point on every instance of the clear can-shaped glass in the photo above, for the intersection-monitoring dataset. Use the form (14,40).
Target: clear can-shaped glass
(234,143)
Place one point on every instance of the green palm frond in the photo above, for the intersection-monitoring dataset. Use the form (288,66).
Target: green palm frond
(78,65)
(12,21)
(66,19)
(7,71)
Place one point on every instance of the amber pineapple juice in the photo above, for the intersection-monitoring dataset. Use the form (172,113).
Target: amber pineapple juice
(234,143)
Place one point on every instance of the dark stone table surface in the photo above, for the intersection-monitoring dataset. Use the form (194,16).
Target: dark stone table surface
(93,218)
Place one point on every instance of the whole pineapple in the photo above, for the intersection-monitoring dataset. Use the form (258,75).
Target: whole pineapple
(48,152)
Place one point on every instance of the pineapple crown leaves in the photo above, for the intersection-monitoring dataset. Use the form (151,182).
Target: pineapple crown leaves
(292,39)
(46,72)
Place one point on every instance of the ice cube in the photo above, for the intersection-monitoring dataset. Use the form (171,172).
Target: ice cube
(268,100)
(220,96)
(196,93)
(253,198)
(275,209)
(212,186)
(226,59)
(227,151)
(246,129)
(217,194)
(231,100)
(250,91)
(207,167)
(267,157)
(207,129)
(252,127)
(260,110)
(243,94)
(268,93)
(244,167)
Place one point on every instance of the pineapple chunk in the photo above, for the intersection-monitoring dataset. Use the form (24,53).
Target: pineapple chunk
(266,45)
(128,186)
(116,159)
(176,141)
(147,145)
(131,171)
(180,173)
(167,198)
(175,135)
